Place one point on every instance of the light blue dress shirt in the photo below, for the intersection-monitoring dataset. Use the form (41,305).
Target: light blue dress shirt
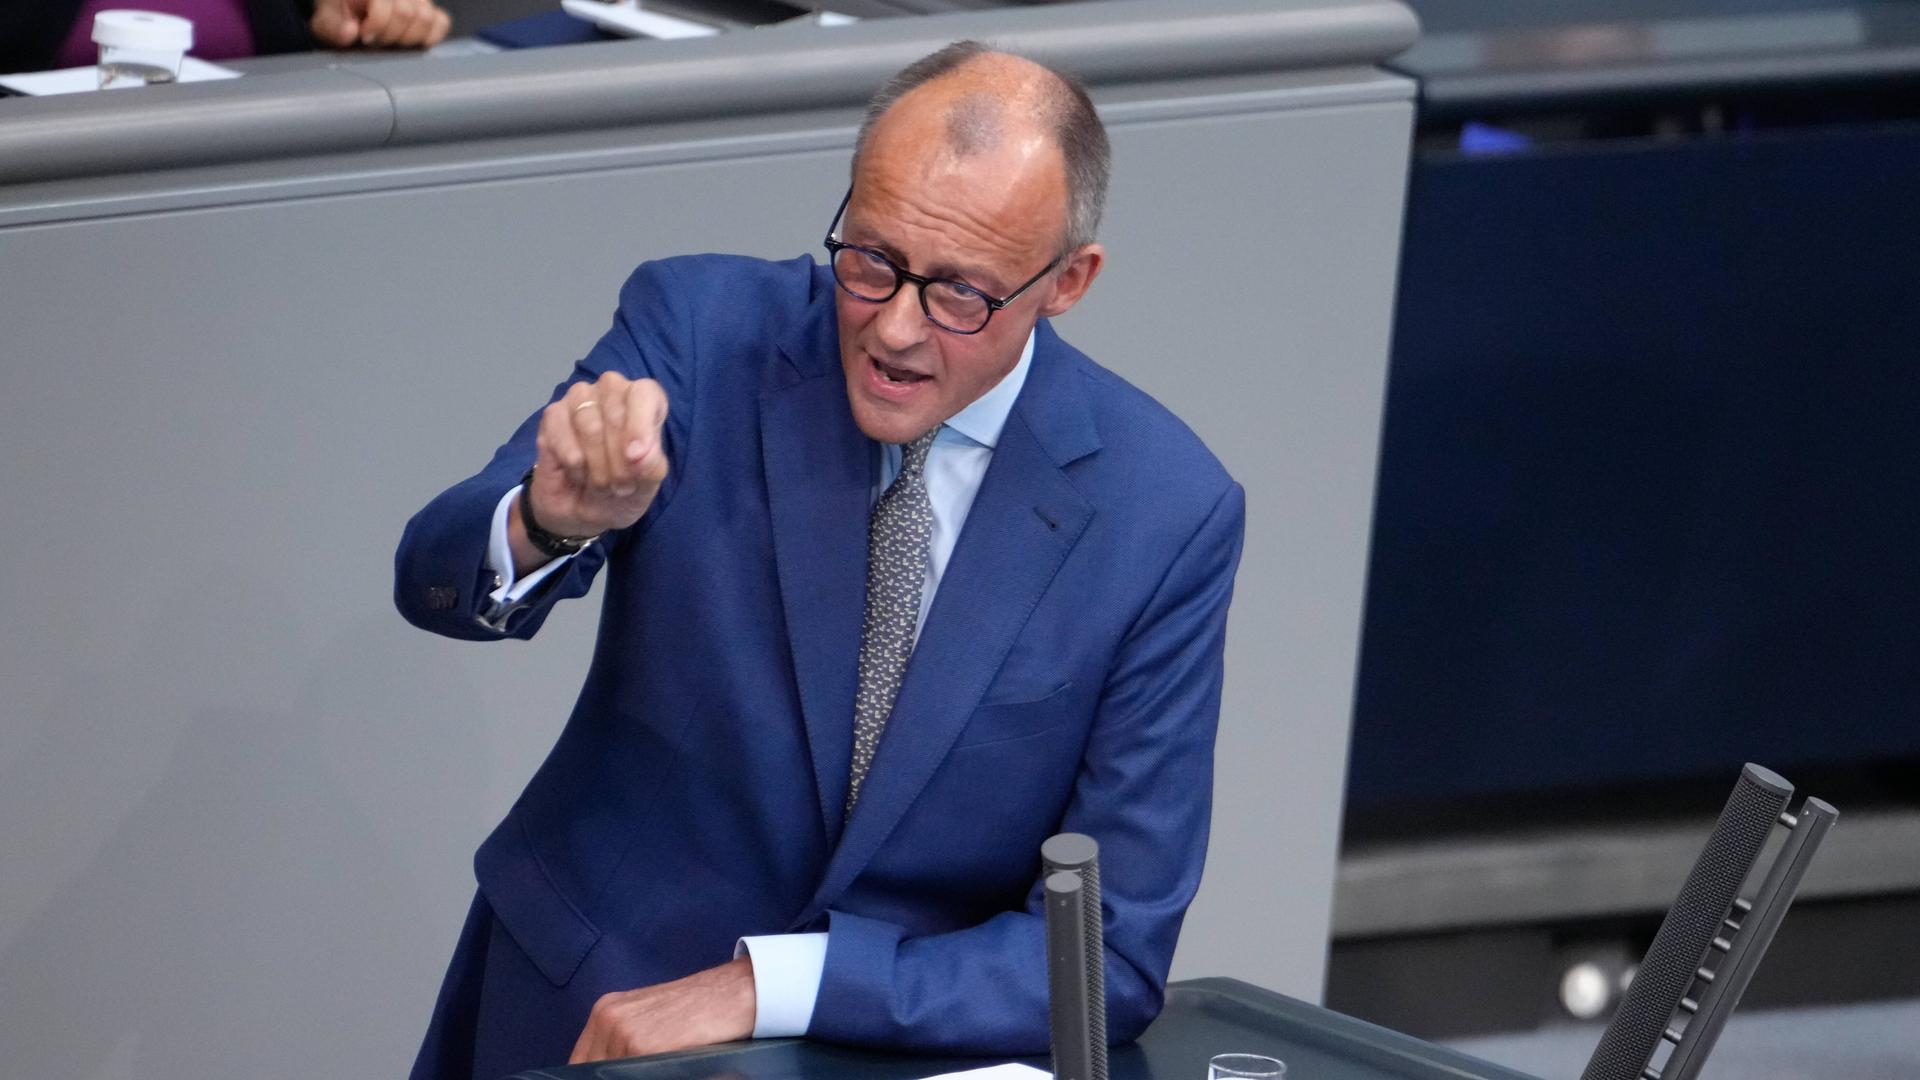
(787,967)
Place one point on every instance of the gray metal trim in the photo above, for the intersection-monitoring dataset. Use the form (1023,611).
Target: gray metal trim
(629,83)
(307,112)
(1527,877)
(482,161)
(1446,97)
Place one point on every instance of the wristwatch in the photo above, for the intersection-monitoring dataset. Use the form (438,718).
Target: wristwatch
(552,545)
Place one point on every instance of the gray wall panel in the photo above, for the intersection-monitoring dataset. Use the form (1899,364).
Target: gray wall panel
(1274,353)
(238,795)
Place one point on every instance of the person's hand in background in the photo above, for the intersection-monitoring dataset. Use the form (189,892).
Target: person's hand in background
(396,24)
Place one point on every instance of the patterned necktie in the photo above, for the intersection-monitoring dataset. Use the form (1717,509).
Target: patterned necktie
(899,542)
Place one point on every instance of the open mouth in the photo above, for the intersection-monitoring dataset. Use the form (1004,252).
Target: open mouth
(898,375)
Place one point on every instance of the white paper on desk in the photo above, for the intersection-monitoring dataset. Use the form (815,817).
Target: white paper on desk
(76,80)
(630,20)
(998,1072)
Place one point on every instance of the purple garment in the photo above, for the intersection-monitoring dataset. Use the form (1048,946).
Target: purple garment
(220,29)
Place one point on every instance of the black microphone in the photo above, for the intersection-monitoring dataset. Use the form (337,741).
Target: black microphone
(1076,957)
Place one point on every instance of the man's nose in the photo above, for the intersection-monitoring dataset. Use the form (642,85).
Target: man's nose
(901,324)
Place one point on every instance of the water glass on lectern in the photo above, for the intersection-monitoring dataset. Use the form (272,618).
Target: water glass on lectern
(1245,1067)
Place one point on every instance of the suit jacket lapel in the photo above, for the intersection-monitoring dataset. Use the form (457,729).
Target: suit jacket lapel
(1024,520)
(819,471)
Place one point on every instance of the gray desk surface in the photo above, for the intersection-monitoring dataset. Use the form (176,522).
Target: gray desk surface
(1479,57)
(1203,1017)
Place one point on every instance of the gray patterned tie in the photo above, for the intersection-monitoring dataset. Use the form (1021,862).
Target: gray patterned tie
(899,540)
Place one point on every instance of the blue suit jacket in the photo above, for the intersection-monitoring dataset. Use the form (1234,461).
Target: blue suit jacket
(1067,678)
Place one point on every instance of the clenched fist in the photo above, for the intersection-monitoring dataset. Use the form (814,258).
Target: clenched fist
(601,461)
(399,24)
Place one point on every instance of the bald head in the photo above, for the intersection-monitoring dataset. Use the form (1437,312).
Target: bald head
(988,103)
(976,122)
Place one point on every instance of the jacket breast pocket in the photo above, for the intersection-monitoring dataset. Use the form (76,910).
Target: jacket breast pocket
(1019,715)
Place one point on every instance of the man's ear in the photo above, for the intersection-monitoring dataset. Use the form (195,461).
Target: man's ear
(1075,278)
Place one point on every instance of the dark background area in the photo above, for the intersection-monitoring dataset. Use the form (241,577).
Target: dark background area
(1649,486)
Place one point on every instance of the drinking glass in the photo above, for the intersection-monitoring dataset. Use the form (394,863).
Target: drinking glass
(1245,1067)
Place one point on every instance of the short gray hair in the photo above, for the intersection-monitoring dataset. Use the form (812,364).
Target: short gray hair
(1077,130)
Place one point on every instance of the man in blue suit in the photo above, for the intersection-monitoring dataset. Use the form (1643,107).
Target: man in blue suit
(898,584)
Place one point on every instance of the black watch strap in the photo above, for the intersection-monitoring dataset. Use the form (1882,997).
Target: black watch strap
(552,545)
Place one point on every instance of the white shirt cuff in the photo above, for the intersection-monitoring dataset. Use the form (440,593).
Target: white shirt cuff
(786,981)
(508,591)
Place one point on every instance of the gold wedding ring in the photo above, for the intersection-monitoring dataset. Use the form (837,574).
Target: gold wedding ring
(585,404)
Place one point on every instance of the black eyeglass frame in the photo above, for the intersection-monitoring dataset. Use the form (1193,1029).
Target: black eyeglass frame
(900,277)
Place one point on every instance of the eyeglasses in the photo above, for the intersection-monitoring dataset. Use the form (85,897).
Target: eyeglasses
(953,306)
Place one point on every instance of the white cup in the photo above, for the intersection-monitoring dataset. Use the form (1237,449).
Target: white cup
(140,47)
